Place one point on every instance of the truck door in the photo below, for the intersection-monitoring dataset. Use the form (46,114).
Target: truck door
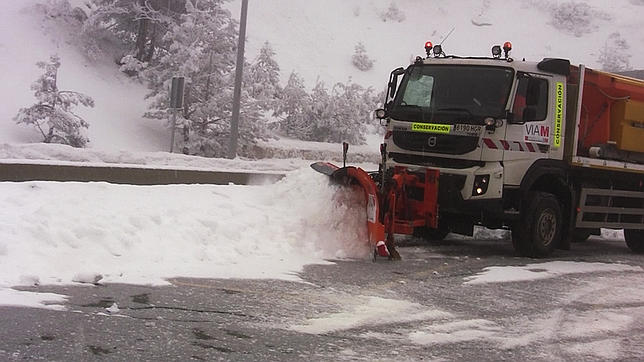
(529,134)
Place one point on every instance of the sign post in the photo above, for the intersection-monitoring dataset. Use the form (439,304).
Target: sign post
(176,102)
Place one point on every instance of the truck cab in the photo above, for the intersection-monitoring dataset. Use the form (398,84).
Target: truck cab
(551,151)
(483,123)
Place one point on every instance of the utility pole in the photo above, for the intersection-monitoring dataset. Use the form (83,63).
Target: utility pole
(234,122)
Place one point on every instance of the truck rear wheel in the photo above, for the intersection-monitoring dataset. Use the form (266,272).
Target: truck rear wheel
(538,231)
(635,240)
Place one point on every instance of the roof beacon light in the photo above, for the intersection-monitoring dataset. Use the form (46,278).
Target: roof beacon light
(438,50)
(507,46)
(496,51)
(428,47)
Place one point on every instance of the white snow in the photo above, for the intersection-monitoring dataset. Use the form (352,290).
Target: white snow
(454,332)
(551,269)
(369,311)
(87,278)
(40,153)
(60,233)
(114,308)
(54,233)
(13,297)
(613,308)
(316,39)
(116,123)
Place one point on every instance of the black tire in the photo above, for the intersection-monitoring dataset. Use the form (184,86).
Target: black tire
(431,234)
(580,235)
(538,232)
(635,240)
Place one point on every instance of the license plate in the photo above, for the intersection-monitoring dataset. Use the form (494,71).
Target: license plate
(469,129)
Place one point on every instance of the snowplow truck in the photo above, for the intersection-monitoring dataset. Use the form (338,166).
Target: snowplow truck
(551,151)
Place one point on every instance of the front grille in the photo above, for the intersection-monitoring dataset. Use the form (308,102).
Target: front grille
(429,161)
(444,144)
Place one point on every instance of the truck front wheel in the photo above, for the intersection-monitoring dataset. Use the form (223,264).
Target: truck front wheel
(538,231)
(635,240)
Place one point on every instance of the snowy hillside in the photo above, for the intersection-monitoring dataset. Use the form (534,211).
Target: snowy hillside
(317,40)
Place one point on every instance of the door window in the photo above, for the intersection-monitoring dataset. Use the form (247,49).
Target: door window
(531,99)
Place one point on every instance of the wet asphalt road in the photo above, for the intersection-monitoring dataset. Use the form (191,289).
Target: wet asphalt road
(589,316)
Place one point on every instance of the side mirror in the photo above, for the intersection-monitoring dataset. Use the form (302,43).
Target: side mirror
(380,113)
(393,81)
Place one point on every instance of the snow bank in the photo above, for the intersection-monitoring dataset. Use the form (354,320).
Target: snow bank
(52,233)
(62,154)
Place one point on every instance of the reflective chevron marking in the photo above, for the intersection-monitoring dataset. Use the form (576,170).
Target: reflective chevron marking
(517,146)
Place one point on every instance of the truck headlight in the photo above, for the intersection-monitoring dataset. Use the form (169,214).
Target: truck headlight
(481,183)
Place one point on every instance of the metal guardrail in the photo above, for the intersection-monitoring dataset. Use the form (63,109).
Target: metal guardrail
(16,172)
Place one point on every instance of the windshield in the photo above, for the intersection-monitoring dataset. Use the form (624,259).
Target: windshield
(452,92)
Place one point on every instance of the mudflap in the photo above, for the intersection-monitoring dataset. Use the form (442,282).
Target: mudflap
(351,175)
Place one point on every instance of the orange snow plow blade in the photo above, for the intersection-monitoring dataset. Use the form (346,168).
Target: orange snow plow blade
(409,201)
(351,175)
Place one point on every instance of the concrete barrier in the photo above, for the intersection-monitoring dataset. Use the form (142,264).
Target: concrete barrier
(18,172)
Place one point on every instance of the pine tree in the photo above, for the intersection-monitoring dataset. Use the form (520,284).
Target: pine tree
(393,13)
(321,113)
(293,106)
(263,80)
(53,115)
(360,58)
(614,56)
(138,26)
(351,113)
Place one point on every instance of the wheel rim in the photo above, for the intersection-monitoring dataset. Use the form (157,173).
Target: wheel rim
(547,226)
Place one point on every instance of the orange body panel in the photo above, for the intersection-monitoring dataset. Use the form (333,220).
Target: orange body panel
(608,99)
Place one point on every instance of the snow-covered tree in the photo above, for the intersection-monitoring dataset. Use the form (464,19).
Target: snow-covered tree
(577,18)
(393,13)
(136,26)
(320,113)
(263,78)
(360,58)
(202,48)
(53,115)
(293,107)
(614,56)
(353,109)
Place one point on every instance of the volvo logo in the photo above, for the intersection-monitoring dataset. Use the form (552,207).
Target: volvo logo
(431,141)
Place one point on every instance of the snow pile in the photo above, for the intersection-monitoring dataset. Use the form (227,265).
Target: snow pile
(288,155)
(59,233)
(551,269)
(61,154)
